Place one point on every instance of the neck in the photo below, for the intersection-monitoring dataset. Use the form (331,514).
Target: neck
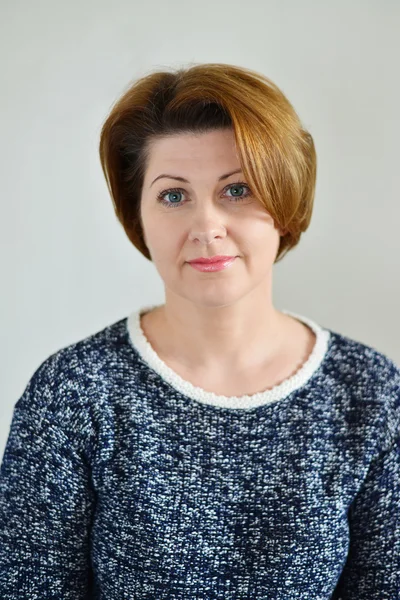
(228,338)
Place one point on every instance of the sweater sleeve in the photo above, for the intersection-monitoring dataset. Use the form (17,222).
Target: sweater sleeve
(46,502)
(372,569)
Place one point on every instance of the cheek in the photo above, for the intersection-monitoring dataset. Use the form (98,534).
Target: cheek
(258,237)
(152,231)
(162,243)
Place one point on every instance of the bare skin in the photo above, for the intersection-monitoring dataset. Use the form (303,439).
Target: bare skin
(219,330)
(296,345)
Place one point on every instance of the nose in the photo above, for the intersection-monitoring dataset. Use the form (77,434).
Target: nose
(207,236)
(206,227)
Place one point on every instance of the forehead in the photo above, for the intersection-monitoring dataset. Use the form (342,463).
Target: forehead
(185,150)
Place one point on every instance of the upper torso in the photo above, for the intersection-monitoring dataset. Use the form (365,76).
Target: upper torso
(148,487)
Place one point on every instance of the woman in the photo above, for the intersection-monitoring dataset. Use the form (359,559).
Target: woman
(212,446)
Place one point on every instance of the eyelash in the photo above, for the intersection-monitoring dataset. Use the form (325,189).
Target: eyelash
(174,205)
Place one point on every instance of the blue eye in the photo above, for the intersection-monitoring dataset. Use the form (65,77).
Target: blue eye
(174,202)
(174,192)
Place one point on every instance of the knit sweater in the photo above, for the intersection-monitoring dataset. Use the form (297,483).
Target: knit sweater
(120,480)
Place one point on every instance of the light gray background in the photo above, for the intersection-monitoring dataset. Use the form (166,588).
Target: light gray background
(68,269)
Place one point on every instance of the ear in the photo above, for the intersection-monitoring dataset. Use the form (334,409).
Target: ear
(280,230)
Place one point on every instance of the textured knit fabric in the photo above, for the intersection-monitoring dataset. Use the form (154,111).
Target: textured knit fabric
(121,481)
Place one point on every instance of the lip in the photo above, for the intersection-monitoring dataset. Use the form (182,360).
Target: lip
(212,259)
(213,265)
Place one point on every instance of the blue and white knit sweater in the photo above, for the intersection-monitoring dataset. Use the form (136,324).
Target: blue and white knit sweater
(122,481)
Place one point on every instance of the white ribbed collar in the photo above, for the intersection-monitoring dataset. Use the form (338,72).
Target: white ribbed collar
(148,354)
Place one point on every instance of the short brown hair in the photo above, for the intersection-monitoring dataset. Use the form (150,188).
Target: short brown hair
(277,154)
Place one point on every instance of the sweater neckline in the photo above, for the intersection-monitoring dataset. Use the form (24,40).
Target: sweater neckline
(296,381)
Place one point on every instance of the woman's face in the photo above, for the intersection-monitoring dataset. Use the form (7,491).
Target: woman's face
(209,214)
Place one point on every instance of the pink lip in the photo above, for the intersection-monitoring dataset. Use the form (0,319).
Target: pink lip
(211,259)
(215,265)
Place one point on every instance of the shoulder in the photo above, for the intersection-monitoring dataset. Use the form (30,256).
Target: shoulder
(367,382)
(68,386)
(82,360)
(356,362)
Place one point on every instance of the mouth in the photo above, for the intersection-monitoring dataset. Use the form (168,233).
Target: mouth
(213,265)
(211,259)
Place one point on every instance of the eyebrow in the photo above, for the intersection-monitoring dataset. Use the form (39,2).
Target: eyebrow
(187,181)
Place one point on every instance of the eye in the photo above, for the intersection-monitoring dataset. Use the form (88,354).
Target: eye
(173,202)
(174,192)
(238,186)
